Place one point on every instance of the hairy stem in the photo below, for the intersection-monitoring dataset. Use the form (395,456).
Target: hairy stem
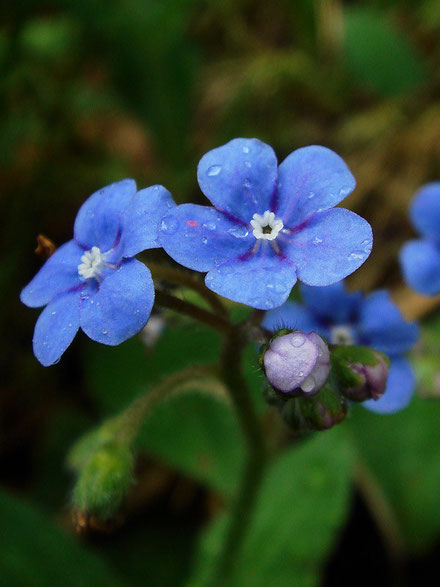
(179,277)
(254,467)
(213,320)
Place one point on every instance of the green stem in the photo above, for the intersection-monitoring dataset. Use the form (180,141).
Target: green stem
(254,467)
(213,320)
(179,277)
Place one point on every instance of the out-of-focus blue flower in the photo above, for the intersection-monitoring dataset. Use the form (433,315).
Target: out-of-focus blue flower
(269,225)
(352,318)
(92,282)
(420,258)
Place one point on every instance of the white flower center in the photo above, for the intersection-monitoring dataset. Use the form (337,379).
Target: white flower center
(342,334)
(92,263)
(267,226)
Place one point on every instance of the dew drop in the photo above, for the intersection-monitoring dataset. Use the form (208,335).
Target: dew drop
(245,149)
(355,256)
(204,240)
(239,231)
(53,313)
(308,384)
(311,195)
(248,164)
(169,225)
(280,288)
(214,170)
(246,184)
(297,340)
(317,240)
(210,225)
(105,332)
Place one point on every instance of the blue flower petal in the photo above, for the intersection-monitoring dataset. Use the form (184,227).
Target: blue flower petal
(420,261)
(382,326)
(425,211)
(121,306)
(56,327)
(201,237)
(98,220)
(263,280)
(59,273)
(310,180)
(332,303)
(141,220)
(240,177)
(294,316)
(329,247)
(400,387)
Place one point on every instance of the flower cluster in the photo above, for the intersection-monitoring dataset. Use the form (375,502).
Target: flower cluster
(420,259)
(351,318)
(269,227)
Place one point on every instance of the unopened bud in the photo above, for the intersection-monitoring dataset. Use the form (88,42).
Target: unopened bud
(362,372)
(296,363)
(104,481)
(373,380)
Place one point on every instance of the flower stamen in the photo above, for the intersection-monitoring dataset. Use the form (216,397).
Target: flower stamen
(267,226)
(92,264)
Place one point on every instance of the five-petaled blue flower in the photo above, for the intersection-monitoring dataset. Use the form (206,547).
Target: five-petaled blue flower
(420,259)
(352,318)
(269,225)
(92,282)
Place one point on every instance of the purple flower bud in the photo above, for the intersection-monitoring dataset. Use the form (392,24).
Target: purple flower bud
(297,363)
(373,380)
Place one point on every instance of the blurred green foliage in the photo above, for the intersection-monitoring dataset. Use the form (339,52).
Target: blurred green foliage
(94,91)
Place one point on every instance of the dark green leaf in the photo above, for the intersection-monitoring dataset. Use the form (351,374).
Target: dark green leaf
(301,508)
(403,453)
(35,553)
(378,55)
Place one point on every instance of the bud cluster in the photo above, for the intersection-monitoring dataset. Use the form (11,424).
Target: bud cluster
(312,385)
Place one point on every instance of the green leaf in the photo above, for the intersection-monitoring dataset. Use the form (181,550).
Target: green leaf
(378,55)
(199,435)
(402,451)
(301,508)
(36,553)
(425,359)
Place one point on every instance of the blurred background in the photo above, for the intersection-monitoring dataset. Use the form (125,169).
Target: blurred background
(92,92)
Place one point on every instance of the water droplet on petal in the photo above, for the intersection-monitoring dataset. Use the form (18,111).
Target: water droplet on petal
(246,184)
(204,240)
(239,231)
(245,149)
(356,255)
(210,225)
(169,225)
(317,240)
(280,288)
(214,170)
(297,340)
(311,195)
(308,384)
(53,313)
(248,164)
(105,332)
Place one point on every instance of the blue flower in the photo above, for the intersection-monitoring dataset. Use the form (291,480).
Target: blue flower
(352,318)
(92,282)
(420,259)
(269,225)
